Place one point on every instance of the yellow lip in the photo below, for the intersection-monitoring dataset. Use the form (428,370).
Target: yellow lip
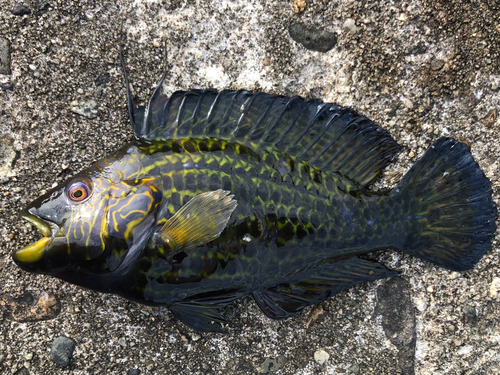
(34,252)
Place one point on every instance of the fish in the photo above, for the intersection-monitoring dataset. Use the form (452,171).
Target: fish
(224,194)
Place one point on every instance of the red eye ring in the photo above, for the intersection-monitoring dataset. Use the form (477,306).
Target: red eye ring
(79,190)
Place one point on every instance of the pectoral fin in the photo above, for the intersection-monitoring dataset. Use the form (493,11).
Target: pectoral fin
(199,221)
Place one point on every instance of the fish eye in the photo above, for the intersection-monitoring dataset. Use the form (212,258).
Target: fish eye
(79,190)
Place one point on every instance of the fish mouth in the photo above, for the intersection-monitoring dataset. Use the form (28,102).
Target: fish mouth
(34,252)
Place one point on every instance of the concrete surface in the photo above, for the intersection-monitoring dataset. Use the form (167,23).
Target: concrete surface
(421,69)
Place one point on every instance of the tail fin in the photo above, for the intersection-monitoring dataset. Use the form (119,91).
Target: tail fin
(453,214)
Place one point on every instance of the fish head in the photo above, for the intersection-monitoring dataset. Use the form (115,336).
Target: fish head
(86,221)
(70,217)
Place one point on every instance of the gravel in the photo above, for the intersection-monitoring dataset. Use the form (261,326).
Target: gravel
(381,62)
(61,351)
(20,10)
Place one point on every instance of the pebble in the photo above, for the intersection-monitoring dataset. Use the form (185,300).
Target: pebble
(272,364)
(156,43)
(20,10)
(470,314)
(436,64)
(4,56)
(320,356)
(62,349)
(411,154)
(7,156)
(133,371)
(102,79)
(80,91)
(350,25)
(298,6)
(313,39)
(495,287)
(85,107)
(6,87)
(494,86)
(32,66)
(408,103)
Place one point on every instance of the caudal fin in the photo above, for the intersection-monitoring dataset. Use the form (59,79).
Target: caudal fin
(453,214)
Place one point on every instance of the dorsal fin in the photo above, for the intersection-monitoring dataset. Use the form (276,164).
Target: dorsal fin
(327,136)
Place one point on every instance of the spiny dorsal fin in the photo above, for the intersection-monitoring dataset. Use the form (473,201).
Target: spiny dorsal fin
(199,221)
(327,136)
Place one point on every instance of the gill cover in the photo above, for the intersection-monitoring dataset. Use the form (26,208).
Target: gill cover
(130,202)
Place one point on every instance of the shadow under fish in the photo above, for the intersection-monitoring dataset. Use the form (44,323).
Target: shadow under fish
(228,193)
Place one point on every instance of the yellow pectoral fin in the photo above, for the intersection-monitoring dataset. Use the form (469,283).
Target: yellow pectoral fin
(199,221)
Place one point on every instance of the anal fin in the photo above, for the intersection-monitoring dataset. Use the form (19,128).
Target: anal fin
(286,300)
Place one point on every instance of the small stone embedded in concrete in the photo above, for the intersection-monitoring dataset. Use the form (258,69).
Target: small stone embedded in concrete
(491,117)
(7,156)
(22,371)
(436,64)
(7,87)
(20,10)
(85,107)
(321,357)
(494,86)
(42,5)
(102,79)
(470,314)
(30,307)
(350,25)
(133,371)
(62,349)
(495,287)
(313,39)
(408,103)
(272,365)
(298,6)
(316,315)
(4,56)
(355,368)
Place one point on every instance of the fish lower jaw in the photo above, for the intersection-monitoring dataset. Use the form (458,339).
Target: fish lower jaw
(34,252)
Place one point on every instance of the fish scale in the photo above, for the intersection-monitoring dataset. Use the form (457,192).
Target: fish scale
(322,234)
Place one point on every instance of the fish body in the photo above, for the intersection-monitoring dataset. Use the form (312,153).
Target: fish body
(223,194)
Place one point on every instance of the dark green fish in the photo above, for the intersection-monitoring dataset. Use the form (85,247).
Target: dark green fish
(228,193)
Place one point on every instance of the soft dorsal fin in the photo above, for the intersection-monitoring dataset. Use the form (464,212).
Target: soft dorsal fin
(326,136)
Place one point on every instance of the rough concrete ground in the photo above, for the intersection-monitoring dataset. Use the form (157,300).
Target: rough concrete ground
(421,69)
